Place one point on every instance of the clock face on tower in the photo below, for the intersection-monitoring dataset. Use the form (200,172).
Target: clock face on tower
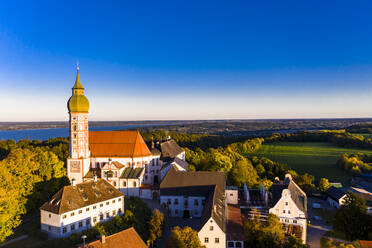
(75,166)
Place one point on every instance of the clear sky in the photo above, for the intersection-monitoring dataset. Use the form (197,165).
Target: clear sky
(147,60)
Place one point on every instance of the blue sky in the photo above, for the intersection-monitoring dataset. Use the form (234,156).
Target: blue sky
(145,60)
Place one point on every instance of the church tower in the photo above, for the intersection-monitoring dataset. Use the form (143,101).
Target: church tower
(78,162)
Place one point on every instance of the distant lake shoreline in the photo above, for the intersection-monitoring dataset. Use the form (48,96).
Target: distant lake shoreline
(48,133)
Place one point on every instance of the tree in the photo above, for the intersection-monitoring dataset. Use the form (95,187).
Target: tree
(272,232)
(352,218)
(183,238)
(243,172)
(306,182)
(324,184)
(252,227)
(293,242)
(263,234)
(156,226)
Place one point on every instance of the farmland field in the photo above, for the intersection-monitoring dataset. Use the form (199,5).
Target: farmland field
(316,158)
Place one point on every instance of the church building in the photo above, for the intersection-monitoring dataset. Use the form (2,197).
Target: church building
(120,157)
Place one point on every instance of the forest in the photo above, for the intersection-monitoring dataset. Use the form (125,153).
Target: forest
(32,171)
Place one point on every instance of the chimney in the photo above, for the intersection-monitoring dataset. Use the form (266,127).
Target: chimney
(103,239)
(73,182)
(95,178)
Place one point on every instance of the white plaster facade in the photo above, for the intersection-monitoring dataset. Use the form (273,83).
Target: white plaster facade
(288,212)
(211,235)
(231,195)
(177,205)
(63,225)
(334,203)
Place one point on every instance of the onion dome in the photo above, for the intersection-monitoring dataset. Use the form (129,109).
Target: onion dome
(78,101)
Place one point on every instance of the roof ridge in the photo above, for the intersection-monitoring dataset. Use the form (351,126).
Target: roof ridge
(61,200)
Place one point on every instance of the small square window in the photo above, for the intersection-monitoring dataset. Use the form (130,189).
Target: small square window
(107,203)
(101,217)
(286,203)
(94,219)
(206,240)
(211,228)
(72,227)
(72,214)
(107,215)
(94,207)
(283,211)
(80,223)
(87,209)
(217,240)
(113,201)
(64,216)
(119,199)
(87,222)
(64,230)
(80,211)
(50,216)
(101,205)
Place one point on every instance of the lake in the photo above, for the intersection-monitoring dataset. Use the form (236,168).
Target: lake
(44,134)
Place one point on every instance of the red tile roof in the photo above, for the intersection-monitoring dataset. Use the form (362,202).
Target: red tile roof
(234,224)
(117,144)
(365,244)
(128,238)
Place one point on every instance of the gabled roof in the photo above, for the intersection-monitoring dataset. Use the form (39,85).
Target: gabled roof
(128,238)
(130,173)
(209,184)
(170,149)
(83,194)
(93,172)
(175,179)
(117,144)
(335,193)
(234,224)
(214,208)
(118,165)
(181,163)
(297,195)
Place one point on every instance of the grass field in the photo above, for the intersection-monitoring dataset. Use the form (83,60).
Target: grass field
(318,159)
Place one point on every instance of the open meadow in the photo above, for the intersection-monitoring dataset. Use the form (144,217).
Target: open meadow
(316,158)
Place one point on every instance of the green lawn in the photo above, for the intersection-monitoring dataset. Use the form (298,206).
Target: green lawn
(316,158)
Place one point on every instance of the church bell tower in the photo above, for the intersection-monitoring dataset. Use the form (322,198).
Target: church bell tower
(78,162)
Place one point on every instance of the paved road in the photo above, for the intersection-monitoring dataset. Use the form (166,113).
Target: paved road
(315,233)
(318,228)
(14,240)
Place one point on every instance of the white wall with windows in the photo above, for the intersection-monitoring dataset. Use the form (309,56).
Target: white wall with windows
(231,196)
(288,212)
(65,224)
(181,206)
(211,235)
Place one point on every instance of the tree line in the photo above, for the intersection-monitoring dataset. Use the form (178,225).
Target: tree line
(30,173)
